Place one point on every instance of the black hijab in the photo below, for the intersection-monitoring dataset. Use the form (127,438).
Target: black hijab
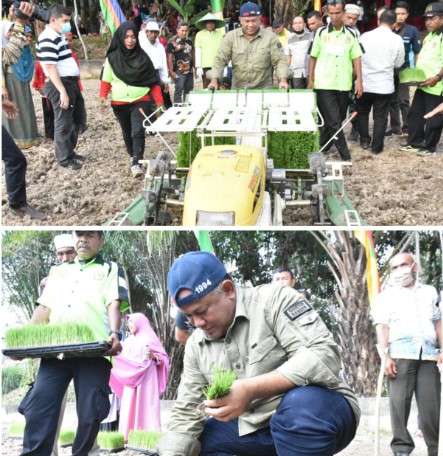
(132,66)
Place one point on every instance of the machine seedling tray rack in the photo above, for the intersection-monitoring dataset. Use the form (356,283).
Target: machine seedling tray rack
(141,450)
(87,349)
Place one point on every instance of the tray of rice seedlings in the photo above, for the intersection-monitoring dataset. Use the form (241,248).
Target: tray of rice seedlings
(222,380)
(16,430)
(111,442)
(412,76)
(143,441)
(66,438)
(53,341)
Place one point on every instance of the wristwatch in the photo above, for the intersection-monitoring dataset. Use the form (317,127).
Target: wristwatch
(116,331)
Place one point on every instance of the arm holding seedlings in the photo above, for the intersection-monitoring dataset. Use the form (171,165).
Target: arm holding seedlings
(243,392)
(40,315)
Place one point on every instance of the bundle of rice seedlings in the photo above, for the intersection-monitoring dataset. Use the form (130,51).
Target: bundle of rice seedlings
(144,439)
(110,440)
(11,378)
(48,335)
(17,429)
(221,384)
(412,75)
(66,437)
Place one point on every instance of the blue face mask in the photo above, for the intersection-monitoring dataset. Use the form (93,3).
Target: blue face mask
(66,28)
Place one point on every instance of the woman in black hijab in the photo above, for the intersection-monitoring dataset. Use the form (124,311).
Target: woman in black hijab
(128,74)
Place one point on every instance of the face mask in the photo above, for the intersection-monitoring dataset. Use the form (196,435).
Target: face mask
(66,28)
(402,277)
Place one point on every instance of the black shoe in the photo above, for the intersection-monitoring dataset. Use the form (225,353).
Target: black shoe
(394,131)
(365,145)
(72,164)
(353,136)
(78,157)
(27,210)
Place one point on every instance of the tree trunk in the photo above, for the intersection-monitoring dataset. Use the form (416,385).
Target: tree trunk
(355,328)
(94,6)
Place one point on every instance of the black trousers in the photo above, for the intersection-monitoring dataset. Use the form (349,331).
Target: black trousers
(41,406)
(380,104)
(48,118)
(424,133)
(131,122)
(333,106)
(399,105)
(15,170)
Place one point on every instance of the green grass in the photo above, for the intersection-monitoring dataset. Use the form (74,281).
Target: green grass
(17,429)
(221,383)
(12,377)
(66,437)
(110,440)
(144,439)
(47,334)
(412,75)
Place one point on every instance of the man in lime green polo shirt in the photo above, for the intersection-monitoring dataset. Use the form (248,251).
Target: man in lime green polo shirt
(334,56)
(424,135)
(87,290)
(207,42)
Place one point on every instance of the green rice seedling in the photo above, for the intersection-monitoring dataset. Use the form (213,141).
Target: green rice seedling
(48,335)
(221,383)
(144,439)
(17,429)
(412,75)
(110,440)
(66,437)
(11,378)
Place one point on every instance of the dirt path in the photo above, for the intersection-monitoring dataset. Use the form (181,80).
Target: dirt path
(394,188)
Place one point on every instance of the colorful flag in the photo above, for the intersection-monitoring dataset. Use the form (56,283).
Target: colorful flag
(317,5)
(112,14)
(204,241)
(372,278)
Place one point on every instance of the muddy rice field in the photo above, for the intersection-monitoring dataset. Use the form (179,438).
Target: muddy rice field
(391,189)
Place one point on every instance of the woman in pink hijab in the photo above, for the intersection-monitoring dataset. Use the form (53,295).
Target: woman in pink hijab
(139,377)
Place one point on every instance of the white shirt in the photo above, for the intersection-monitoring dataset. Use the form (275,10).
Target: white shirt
(411,314)
(384,51)
(156,53)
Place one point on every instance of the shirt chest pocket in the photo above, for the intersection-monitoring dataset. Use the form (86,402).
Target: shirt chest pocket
(266,355)
(238,57)
(262,58)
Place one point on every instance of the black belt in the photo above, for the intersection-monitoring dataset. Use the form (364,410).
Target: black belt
(69,78)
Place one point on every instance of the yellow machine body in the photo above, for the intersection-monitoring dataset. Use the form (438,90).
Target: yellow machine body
(225,186)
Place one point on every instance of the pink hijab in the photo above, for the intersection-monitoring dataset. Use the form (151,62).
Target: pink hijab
(130,366)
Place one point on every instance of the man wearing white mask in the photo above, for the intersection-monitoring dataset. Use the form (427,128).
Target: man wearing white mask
(408,323)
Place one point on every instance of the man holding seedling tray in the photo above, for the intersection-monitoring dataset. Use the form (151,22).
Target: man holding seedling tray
(88,290)
(287,398)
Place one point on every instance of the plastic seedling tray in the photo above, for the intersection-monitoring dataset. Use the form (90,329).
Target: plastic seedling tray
(87,349)
(141,450)
(111,450)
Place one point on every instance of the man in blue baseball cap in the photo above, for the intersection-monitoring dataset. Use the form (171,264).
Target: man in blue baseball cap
(253,51)
(287,399)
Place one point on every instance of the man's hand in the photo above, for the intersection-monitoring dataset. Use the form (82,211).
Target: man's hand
(233,405)
(11,111)
(198,73)
(358,88)
(310,84)
(437,110)
(283,85)
(430,82)
(391,368)
(5,94)
(102,101)
(116,346)
(25,8)
(64,100)
(213,85)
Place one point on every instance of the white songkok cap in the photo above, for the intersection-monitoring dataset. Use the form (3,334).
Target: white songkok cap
(63,240)
(353,9)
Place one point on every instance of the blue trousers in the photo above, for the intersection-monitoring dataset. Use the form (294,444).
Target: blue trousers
(309,421)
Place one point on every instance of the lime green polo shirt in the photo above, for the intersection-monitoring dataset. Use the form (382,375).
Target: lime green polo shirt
(81,291)
(334,51)
(208,42)
(430,60)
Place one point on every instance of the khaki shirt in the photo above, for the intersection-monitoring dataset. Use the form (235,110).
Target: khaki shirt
(274,329)
(252,60)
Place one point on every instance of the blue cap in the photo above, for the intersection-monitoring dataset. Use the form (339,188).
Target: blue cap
(250,10)
(199,272)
